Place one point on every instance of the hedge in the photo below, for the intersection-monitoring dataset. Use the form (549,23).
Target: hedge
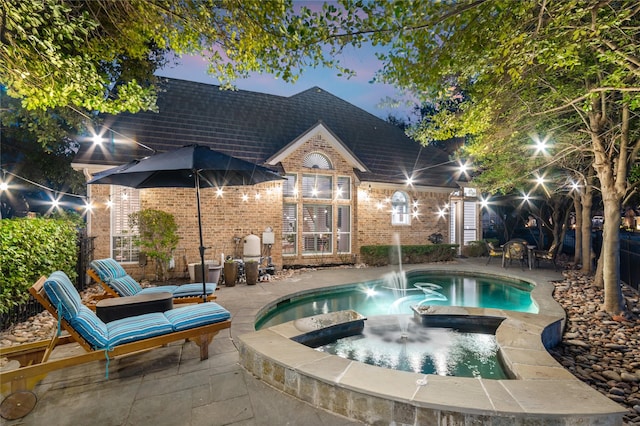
(30,248)
(381,255)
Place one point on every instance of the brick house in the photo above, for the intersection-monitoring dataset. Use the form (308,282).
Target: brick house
(346,178)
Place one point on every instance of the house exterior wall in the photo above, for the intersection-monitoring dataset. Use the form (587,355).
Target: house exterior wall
(340,167)
(374,216)
(223,218)
(228,218)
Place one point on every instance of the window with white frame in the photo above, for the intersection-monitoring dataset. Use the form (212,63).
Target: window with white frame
(400,208)
(343,238)
(289,185)
(124,201)
(343,191)
(289,229)
(318,187)
(317,232)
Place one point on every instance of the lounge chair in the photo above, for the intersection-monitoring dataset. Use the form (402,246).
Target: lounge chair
(117,283)
(198,323)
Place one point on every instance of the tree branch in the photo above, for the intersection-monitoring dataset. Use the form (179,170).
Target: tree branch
(582,98)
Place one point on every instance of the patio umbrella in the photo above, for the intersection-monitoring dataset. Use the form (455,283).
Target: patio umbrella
(192,166)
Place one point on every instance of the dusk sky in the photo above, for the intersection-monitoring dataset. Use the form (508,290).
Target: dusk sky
(357,90)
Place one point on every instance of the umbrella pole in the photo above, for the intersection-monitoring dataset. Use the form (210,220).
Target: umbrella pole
(202,248)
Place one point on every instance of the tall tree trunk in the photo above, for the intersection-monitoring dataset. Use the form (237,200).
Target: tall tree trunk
(613,302)
(612,169)
(586,198)
(577,257)
(598,279)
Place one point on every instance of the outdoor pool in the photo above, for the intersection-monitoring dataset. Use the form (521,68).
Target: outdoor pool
(382,297)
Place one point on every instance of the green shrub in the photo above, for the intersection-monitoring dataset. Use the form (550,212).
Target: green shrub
(474,249)
(381,255)
(158,237)
(30,248)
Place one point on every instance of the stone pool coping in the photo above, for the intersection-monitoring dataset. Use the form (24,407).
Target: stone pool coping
(542,390)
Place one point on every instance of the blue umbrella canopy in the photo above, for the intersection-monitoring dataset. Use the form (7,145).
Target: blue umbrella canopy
(192,166)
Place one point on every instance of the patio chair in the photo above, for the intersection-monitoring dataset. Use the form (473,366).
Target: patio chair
(493,251)
(197,323)
(514,250)
(546,256)
(117,283)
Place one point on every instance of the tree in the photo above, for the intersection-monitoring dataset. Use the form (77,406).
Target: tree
(100,55)
(526,66)
(37,145)
(158,237)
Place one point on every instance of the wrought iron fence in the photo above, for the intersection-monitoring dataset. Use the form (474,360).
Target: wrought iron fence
(31,307)
(630,259)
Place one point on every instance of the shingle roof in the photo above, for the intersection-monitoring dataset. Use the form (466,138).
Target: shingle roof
(254,126)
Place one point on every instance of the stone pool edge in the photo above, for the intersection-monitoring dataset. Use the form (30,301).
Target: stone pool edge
(542,390)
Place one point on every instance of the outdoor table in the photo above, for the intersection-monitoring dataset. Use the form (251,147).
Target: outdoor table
(530,255)
(121,307)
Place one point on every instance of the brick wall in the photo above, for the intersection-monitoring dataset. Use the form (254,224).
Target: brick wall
(374,217)
(229,216)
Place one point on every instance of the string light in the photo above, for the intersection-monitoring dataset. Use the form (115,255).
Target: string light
(4,185)
(540,145)
(97,139)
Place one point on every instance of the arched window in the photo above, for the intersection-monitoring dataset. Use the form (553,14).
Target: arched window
(316,160)
(400,208)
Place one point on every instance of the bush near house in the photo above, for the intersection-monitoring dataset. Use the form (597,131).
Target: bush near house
(30,248)
(158,237)
(474,249)
(381,255)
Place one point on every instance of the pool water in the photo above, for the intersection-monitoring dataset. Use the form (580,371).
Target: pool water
(440,351)
(422,288)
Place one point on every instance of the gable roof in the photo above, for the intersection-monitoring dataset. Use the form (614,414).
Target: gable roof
(257,126)
(327,135)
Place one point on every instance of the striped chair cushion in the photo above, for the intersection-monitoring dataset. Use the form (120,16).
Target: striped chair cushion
(108,269)
(62,294)
(140,327)
(196,315)
(91,328)
(124,286)
(194,289)
(159,289)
